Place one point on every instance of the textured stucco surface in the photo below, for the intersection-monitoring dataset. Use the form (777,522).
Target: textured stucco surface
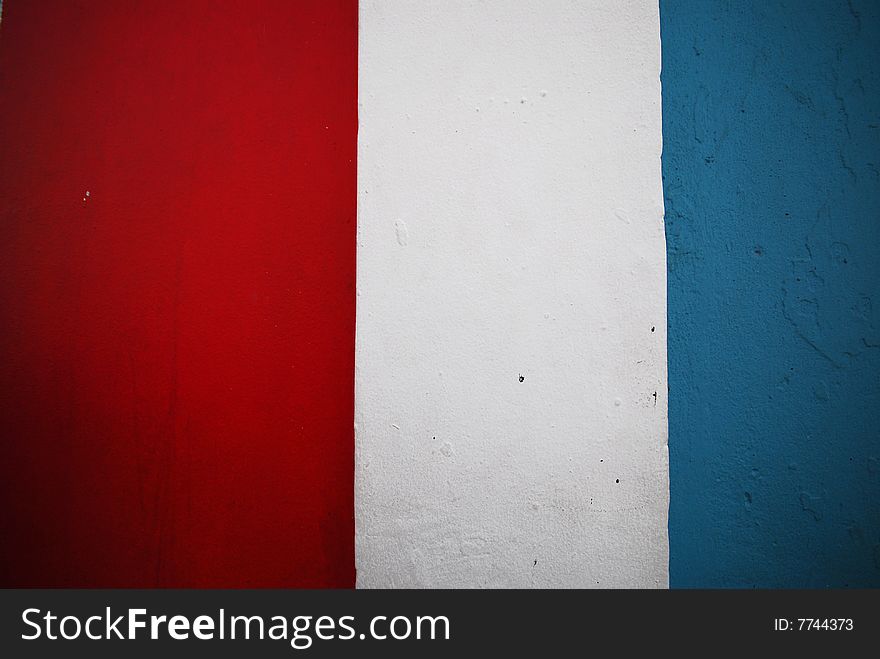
(511,348)
(771,128)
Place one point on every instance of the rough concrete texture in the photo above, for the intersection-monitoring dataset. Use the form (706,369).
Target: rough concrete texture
(511,348)
(771,128)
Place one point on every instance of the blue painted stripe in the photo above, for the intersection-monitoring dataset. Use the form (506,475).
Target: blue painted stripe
(771,128)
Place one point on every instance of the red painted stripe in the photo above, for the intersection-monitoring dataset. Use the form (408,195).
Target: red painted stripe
(177,265)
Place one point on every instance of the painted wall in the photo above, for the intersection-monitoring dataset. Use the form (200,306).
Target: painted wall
(511,347)
(177,203)
(177,195)
(771,161)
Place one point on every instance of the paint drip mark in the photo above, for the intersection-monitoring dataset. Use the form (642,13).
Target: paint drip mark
(812,505)
(402,234)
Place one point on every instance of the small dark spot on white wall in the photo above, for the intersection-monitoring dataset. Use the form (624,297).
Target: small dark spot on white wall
(522,378)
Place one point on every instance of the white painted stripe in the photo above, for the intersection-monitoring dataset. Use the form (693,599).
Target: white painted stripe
(511,267)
